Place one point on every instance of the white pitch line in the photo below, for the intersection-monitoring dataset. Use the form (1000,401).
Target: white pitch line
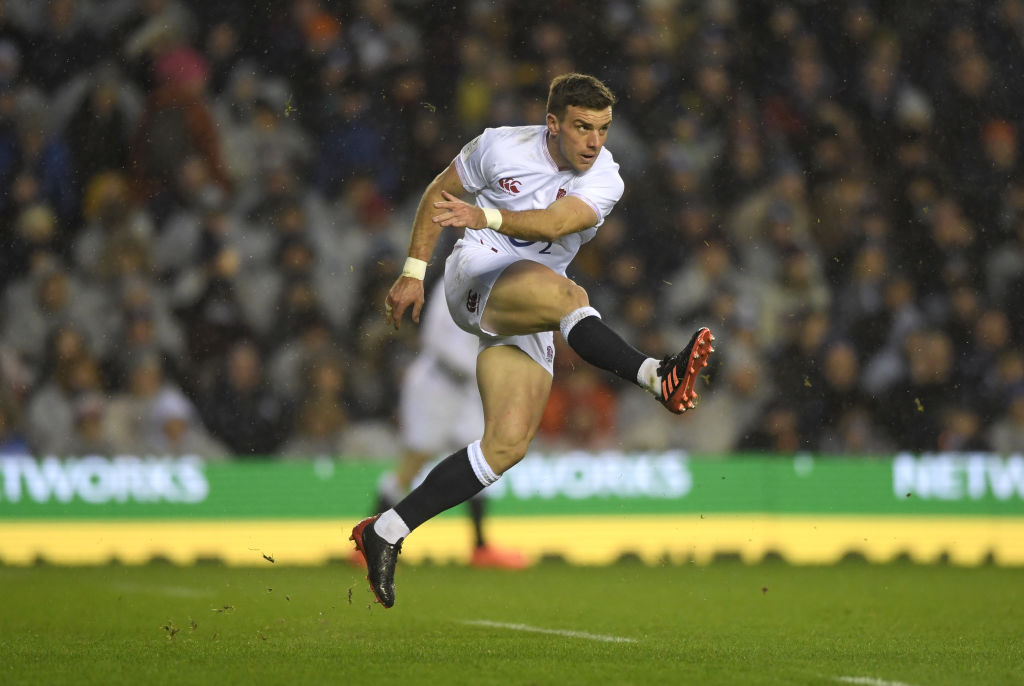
(556,632)
(869,681)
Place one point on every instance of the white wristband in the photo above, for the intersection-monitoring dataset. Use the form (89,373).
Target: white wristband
(414,268)
(493,217)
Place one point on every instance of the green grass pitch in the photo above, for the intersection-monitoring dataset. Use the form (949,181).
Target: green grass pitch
(725,623)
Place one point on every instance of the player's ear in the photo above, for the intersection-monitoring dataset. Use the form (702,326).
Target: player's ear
(552,122)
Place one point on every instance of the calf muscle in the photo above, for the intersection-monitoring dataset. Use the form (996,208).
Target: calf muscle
(514,390)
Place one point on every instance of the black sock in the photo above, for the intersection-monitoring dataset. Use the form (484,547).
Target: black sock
(595,342)
(451,482)
(476,511)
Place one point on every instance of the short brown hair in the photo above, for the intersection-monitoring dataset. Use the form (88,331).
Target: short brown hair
(580,90)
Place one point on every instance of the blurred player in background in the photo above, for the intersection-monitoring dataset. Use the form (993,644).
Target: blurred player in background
(439,412)
(540,193)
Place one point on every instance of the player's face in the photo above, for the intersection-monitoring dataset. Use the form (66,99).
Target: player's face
(576,139)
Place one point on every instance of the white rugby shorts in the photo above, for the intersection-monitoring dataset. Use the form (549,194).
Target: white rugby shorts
(469,275)
(439,411)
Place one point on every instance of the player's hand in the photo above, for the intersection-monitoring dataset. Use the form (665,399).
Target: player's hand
(458,214)
(404,292)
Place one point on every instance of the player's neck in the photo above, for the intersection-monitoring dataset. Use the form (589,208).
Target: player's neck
(556,155)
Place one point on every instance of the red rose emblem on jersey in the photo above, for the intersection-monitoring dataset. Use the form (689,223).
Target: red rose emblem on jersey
(561,194)
(510,185)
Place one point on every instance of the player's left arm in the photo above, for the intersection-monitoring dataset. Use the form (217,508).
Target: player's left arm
(564,216)
(407,291)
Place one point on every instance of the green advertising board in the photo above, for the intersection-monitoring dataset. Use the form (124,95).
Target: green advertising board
(568,483)
(588,507)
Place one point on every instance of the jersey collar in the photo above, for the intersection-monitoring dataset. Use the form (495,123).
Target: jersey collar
(547,153)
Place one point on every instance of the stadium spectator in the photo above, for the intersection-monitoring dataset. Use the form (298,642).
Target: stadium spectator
(35,238)
(190,232)
(176,122)
(835,408)
(66,342)
(916,403)
(145,30)
(35,166)
(172,428)
(12,438)
(88,435)
(60,38)
(319,430)
(241,408)
(207,302)
(961,430)
(112,219)
(260,134)
(131,405)
(226,34)
(862,163)
(1006,434)
(311,339)
(99,128)
(352,143)
(730,405)
(1003,382)
(50,413)
(145,326)
(52,295)
(777,430)
(383,38)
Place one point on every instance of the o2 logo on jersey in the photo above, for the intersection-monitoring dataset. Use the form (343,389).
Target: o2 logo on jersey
(510,185)
(561,194)
(472,302)
(546,250)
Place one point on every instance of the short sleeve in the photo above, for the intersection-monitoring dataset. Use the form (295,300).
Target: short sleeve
(474,161)
(601,190)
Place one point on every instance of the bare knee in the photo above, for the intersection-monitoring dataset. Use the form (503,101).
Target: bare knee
(573,296)
(504,451)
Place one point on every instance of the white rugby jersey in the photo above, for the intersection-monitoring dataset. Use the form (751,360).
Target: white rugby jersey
(510,168)
(443,340)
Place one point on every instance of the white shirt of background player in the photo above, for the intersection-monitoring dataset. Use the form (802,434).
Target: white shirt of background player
(443,340)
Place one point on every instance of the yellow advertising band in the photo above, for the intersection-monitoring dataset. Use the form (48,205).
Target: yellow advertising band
(592,540)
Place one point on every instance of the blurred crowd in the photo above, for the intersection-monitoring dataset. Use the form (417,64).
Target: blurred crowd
(203,204)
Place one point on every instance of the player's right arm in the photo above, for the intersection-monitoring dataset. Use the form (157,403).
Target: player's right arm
(562,217)
(407,291)
(484,160)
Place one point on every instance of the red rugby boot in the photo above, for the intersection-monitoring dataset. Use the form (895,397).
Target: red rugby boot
(679,373)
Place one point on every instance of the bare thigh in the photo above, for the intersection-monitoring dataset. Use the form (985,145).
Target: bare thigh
(530,297)
(514,390)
